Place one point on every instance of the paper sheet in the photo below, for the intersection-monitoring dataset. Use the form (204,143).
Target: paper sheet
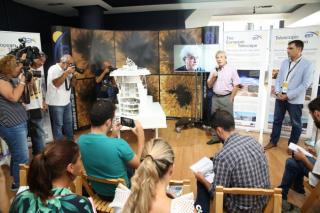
(295,147)
(205,166)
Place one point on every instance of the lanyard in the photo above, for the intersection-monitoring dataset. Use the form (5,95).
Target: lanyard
(290,70)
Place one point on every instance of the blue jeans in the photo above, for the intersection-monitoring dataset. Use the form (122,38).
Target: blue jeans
(16,139)
(203,198)
(293,175)
(295,113)
(36,133)
(61,118)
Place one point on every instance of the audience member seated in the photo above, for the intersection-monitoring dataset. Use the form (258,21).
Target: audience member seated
(49,177)
(108,157)
(240,163)
(149,183)
(300,165)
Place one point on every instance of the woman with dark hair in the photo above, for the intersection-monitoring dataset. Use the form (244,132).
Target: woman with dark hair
(49,177)
(13,116)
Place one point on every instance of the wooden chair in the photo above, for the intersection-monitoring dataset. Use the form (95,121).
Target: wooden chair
(185,183)
(275,202)
(100,204)
(314,195)
(23,173)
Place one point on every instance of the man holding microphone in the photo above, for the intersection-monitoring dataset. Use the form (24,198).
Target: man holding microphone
(224,81)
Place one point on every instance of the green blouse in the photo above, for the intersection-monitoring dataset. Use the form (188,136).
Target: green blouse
(63,200)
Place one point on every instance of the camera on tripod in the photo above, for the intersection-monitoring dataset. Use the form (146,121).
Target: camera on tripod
(31,54)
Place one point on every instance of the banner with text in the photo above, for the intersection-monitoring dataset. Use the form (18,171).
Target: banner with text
(248,52)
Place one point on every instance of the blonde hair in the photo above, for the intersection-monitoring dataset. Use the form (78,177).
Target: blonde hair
(7,64)
(157,157)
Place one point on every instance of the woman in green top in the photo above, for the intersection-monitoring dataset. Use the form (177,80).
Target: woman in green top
(50,174)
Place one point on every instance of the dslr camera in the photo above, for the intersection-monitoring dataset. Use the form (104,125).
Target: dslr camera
(77,69)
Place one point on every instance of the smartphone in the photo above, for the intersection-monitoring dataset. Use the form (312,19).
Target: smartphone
(127,122)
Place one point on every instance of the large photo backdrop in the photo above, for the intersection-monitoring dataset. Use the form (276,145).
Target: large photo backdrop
(278,52)
(180,94)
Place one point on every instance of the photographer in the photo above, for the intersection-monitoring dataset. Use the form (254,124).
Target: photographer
(105,85)
(58,97)
(37,104)
(13,117)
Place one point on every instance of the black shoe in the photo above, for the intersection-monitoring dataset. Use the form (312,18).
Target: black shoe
(213,142)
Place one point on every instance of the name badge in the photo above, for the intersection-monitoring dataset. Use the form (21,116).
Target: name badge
(285,85)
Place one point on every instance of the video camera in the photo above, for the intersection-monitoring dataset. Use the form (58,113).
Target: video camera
(31,54)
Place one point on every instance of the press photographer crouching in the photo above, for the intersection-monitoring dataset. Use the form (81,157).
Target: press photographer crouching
(105,85)
(59,84)
(13,116)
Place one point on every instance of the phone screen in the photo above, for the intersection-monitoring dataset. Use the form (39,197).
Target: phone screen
(127,122)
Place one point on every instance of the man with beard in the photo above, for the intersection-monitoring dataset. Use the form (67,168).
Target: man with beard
(294,78)
(300,165)
(240,163)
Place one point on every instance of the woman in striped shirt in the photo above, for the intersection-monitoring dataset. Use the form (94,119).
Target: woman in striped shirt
(13,117)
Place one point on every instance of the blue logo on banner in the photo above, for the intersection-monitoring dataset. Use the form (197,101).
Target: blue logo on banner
(311,34)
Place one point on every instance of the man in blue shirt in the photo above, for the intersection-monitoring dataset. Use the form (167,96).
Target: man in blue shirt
(294,78)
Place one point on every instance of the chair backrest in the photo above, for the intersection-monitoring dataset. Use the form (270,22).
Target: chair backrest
(86,179)
(274,204)
(76,187)
(100,205)
(185,183)
(312,198)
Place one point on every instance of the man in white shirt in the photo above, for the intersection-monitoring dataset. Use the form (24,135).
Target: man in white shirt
(36,105)
(300,165)
(58,97)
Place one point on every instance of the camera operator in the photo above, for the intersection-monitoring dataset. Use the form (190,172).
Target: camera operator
(37,104)
(105,85)
(58,97)
(13,116)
